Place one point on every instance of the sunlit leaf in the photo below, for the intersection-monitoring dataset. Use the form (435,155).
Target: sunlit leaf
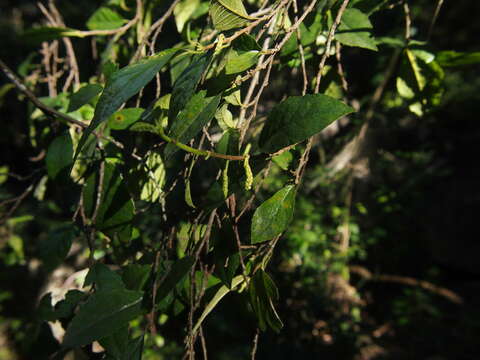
(355,30)
(228,14)
(273,216)
(298,118)
(105,19)
(122,119)
(122,85)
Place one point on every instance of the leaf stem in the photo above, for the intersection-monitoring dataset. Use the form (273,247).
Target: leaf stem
(205,153)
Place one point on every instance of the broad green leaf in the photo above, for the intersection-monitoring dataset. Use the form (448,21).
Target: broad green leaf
(395,42)
(155,169)
(84,96)
(455,58)
(222,291)
(420,81)
(65,308)
(105,19)
(238,62)
(228,14)
(104,278)
(186,84)
(189,122)
(184,11)
(355,30)
(103,314)
(116,209)
(273,216)
(135,276)
(45,310)
(122,119)
(55,247)
(246,42)
(177,272)
(116,344)
(283,160)
(298,118)
(135,349)
(59,155)
(178,65)
(225,118)
(122,85)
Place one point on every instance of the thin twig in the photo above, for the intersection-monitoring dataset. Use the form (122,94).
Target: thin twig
(405,280)
(328,44)
(255,344)
(51,112)
(434,19)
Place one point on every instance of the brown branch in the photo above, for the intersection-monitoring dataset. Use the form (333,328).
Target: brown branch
(409,281)
(328,44)
(17,201)
(50,112)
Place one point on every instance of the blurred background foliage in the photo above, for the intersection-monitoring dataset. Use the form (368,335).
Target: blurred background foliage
(411,216)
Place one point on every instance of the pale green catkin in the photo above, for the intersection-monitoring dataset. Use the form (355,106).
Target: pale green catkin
(225,179)
(248,173)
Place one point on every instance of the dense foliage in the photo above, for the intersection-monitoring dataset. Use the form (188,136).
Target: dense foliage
(195,179)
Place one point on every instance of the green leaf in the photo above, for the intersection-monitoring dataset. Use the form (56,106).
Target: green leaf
(116,209)
(134,349)
(355,30)
(283,160)
(177,272)
(222,291)
(105,19)
(135,276)
(155,169)
(122,85)
(273,216)
(228,14)
(104,278)
(420,81)
(84,96)
(246,42)
(197,113)
(116,344)
(225,118)
(45,310)
(238,62)
(66,307)
(186,84)
(298,118)
(59,156)
(184,11)
(262,294)
(455,58)
(55,247)
(122,119)
(103,314)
